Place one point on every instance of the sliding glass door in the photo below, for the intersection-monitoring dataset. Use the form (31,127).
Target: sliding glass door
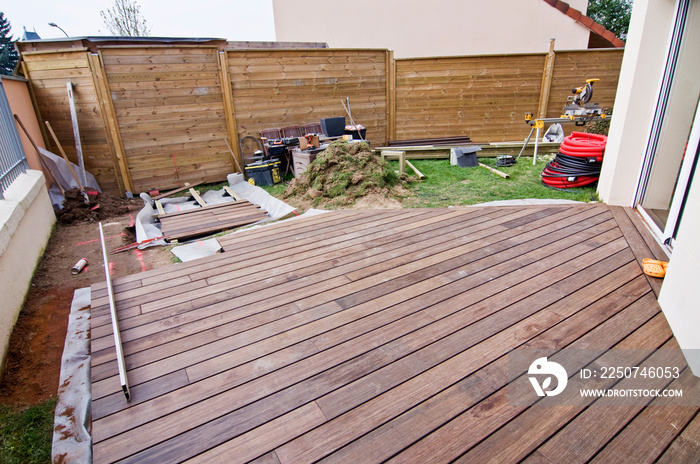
(671,151)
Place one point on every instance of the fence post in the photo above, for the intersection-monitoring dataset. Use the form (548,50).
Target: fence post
(105,97)
(546,81)
(391,96)
(229,108)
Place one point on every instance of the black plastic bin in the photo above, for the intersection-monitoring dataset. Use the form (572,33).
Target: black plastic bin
(264,172)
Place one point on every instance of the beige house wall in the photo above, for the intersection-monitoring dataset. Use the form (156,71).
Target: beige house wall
(635,103)
(26,221)
(417,28)
(17,91)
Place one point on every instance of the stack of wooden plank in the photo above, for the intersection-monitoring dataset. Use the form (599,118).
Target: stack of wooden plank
(209,219)
(456,141)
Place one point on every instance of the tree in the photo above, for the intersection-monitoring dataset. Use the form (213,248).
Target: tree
(8,53)
(124,19)
(614,15)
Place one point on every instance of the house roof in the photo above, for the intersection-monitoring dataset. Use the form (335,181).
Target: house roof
(600,36)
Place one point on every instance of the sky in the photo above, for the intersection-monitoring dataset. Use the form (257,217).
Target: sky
(227,19)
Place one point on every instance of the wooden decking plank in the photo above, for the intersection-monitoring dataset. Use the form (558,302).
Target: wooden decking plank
(193,372)
(509,444)
(164,276)
(646,437)
(637,244)
(480,320)
(484,318)
(483,418)
(197,267)
(403,367)
(212,226)
(686,447)
(653,244)
(601,424)
(207,208)
(370,414)
(170,303)
(326,261)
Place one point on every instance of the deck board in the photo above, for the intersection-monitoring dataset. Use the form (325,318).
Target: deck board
(372,336)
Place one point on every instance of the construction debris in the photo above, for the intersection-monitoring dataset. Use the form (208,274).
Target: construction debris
(343,173)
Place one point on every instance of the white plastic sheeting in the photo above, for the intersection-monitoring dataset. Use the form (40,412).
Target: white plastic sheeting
(72,441)
(197,249)
(59,169)
(147,228)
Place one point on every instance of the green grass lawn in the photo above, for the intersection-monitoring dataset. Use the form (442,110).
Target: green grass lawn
(447,185)
(25,434)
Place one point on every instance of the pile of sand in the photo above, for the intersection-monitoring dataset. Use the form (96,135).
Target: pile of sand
(344,173)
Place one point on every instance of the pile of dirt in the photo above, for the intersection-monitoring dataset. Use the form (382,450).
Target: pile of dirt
(344,173)
(100,206)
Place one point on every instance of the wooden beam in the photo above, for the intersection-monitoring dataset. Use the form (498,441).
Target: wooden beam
(420,175)
(197,198)
(495,171)
(233,194)
(113,124)
(159,207)
(177,190)
(546,81)
(229,108)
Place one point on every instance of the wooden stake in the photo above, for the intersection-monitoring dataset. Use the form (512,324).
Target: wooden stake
(495,171)
(65,157)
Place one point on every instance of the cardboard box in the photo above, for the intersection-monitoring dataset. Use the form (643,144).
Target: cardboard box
(304,142)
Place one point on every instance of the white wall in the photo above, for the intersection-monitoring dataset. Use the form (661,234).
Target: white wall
(26,221)
(635,101)
(680,292)
(415,28)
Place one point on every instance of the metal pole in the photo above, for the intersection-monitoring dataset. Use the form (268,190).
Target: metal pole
(124,381)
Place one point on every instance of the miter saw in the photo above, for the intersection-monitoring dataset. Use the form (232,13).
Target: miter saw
(578,110)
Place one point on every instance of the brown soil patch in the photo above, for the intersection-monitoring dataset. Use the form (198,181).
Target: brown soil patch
(32,367)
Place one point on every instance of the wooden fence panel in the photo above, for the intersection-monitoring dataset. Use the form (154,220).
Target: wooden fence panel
(49,73)
(280,88)
(169,106)
(571,69)
(164,113)
(486,97)
(483,97)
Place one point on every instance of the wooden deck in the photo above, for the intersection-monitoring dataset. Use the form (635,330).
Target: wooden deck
(382,335)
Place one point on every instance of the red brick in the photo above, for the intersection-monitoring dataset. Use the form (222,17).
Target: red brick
(574,13)
(618,43)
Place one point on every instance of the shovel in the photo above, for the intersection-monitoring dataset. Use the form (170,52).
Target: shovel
(65,157)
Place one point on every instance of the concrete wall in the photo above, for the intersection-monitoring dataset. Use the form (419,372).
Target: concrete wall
(26,221)
(415,28)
